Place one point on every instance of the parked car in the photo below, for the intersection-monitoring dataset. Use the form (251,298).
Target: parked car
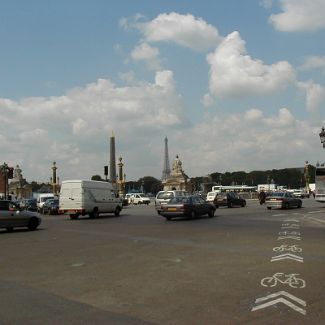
(283,200)
(12,216)
(51,206)
(187,206)
(163,197)
(229,199)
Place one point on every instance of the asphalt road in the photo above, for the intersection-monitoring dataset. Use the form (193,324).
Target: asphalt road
(244,266)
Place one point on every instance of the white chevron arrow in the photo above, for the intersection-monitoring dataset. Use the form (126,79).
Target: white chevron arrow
(282,300)
(289,237)
(287,256)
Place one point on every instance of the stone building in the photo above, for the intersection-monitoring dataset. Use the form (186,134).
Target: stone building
(177,180)
(18,186)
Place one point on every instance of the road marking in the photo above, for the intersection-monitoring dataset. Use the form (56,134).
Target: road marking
(317,220)
(286,247)
(289,279)
(287,256)
(291,220)
(278,215)
(311,212)
(281,300)
(290,226)
(289,237)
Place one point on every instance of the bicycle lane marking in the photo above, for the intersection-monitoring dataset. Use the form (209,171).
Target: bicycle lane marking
(290,230)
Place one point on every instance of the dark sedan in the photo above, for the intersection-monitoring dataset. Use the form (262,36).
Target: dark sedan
(51,206)
(282,200)
(229,199)
(189,206)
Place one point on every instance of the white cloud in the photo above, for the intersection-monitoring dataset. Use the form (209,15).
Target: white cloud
(74,129)
(234,73)
(299,15)
(253,115)
(247,141)
(267,4)
(314,62)
(315,95)
(207,100)
(79,126)
(284,120)
(184,30)
(147,53)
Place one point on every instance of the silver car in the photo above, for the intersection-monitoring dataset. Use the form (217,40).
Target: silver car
(164,197)
(282,200)
(12,216)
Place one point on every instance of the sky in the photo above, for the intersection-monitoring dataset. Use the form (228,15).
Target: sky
(234,85)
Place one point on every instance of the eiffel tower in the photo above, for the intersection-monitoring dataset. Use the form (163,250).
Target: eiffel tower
(166,170)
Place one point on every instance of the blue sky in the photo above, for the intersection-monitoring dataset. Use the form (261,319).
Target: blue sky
(235,85)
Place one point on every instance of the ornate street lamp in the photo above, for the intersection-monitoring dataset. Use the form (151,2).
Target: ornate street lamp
(322,137)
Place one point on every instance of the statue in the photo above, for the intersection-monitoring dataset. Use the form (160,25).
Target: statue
(17,174)
(177,166)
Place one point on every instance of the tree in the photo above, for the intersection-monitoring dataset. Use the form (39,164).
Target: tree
(149,184)
(96,178)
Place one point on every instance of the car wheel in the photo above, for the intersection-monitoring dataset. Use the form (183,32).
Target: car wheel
(33,223)
(168,218)
(10,229)
(269,208)
(299,205)
(94,214)
(243,204)
(211,213)
(73,216)
(117,211)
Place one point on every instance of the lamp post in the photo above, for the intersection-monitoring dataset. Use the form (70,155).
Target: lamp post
(322,137)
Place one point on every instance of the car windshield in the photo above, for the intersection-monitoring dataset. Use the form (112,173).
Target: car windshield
(165,195)
(179,200)
(279,194)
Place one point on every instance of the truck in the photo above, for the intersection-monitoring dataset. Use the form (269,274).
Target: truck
(87,197)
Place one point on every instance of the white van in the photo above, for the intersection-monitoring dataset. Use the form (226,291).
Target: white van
(42,198)
(81,197)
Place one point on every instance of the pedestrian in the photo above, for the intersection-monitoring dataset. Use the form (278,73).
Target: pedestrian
(261,197)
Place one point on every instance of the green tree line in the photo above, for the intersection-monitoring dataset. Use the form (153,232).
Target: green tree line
(289,177)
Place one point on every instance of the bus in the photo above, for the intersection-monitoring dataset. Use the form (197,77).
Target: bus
(233,188)
(320,184)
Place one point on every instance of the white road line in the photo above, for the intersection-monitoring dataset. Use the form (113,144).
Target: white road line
(317,220)
(311,212)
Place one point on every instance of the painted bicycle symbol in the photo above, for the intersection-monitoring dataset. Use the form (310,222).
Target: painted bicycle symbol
(289,279)
(291,248)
